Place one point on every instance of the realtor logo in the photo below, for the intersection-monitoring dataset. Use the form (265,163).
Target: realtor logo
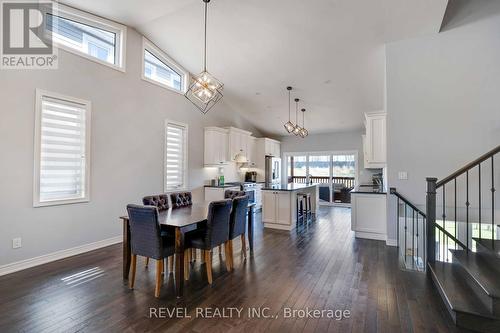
(25,41)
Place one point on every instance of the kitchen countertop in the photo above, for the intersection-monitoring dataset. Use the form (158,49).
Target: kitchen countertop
(287,187)
(369,190)
(222,186)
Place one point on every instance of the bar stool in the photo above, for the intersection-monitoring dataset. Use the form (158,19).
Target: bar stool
(304,199)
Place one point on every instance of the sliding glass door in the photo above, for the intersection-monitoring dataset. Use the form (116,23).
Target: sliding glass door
(335,172)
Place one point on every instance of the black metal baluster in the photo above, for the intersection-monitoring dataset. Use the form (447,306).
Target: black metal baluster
(492,202)
(467,208)
(479,217)
(456,230)
(413,238)
(417,240)
(405,234)
(399,248)
(446,248)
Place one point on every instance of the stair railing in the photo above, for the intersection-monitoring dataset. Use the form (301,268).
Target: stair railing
(411,225)
(437,232)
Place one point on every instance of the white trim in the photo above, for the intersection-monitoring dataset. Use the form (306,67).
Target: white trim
(37,147)
(185,157)
(58,255)
(168,61)
(391,242)
(98,22)
(370,235)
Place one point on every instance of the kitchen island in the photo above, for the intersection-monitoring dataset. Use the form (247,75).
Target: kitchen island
(279,204)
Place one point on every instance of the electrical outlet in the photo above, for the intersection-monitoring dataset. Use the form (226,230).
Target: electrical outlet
(16,243)
(403,175)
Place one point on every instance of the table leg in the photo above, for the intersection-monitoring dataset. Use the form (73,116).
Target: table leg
(250,228)
(126,249)
(179,262)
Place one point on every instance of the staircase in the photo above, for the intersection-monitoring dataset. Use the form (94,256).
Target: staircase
(462,245)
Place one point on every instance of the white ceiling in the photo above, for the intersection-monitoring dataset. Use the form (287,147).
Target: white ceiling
(330,51)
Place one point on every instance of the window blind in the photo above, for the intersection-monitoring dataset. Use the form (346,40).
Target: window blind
(62,150)
(175,156)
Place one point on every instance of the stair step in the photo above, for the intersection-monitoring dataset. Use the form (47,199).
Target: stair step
(488,245)
(464,306)
(480,269)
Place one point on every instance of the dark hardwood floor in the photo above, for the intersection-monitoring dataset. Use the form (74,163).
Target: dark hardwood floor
(321,266)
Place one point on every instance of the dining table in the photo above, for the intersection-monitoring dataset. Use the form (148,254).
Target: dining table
(182,220)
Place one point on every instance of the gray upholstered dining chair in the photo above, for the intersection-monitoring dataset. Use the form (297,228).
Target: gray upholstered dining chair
(237,225)
(146,240)
(214,233)
(181,199)
(231,194)
(160,201)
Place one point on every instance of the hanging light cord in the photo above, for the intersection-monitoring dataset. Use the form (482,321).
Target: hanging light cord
(303,118)
(289,112)
(297,111)
(205,53)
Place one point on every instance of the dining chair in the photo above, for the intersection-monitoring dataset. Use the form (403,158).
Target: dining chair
(214,233)
(181,199)
(231,194)
(237,225)
(160,201)
(146,240)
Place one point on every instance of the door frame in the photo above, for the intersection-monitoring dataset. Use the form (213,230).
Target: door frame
(284,166)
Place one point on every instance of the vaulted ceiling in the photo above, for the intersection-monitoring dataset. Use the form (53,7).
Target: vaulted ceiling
(331,51)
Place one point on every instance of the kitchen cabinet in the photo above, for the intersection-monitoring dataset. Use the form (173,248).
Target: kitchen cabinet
(251,151)
(369,215)
(239,142)
(216,146)
(272,147)
(375,140)
(258,196)
(217,193)
(276,207)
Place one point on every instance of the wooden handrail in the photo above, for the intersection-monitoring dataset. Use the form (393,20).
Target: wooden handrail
(406,201)
(468,167)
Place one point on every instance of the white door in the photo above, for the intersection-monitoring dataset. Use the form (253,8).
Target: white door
(268,206)
(283,207)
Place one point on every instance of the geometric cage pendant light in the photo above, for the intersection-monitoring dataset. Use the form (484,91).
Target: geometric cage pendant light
(303,132)
(289,126)
(205,90)
(297,128)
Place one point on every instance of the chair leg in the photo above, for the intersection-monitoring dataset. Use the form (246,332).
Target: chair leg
(147,262)
(171,264)
(228,256)
(208,261)
(203,256)
(133,265)
(231,253)
(159,270)
(244,245)
(186,264)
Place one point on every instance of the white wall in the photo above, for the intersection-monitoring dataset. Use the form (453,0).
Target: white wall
(127,150)
(443,104)
(339,141)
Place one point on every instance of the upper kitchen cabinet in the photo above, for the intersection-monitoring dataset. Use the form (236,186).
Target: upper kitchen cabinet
(375,140)
(216,146)
(252,151)
(239,142)
(271,147)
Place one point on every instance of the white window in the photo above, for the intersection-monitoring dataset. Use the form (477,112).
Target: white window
(87,35)
(176,138)
(62,150)
(160,69)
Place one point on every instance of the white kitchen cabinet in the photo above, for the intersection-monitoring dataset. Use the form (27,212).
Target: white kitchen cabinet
(258,196)
(251,150)
(272,147)
(276,207)
(217,193)
(369,215)
(216,146)
(375,141)
(238,142)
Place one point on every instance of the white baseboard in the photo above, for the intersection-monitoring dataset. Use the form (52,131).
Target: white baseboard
(36,261)
(391,242)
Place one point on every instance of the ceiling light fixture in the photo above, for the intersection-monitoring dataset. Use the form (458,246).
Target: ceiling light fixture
(289,126)
(297,128)
(303,132)
(205,90)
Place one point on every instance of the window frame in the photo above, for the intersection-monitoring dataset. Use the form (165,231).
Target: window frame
(147,45)
(83,17)
(87,105)
(185,185)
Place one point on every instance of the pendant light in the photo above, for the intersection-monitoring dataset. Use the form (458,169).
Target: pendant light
(205,90)
(289,126)
(303,132)
(297,128)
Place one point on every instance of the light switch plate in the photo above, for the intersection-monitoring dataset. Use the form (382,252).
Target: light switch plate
(402,175)
(16,243)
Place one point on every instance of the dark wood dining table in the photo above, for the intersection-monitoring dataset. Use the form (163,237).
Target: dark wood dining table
(182,219)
